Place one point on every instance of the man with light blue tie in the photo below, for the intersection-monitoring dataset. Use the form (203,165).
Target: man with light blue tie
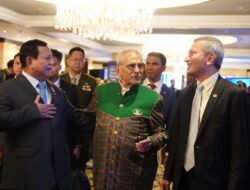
(34,114)
(209,143)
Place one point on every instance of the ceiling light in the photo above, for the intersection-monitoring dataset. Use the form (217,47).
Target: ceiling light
(105,19)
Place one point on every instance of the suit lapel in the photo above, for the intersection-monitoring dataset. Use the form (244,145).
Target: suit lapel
(214,97)
(53,93)
(27,87)
(163,90)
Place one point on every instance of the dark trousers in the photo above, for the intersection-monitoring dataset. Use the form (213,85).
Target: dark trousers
(188,180)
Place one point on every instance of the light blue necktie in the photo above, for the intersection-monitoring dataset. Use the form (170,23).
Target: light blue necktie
(189,162)
(43,91)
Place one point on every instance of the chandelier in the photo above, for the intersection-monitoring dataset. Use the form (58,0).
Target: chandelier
(106,19)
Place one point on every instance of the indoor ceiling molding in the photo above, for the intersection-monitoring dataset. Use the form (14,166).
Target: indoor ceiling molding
(170,21)
(204,21)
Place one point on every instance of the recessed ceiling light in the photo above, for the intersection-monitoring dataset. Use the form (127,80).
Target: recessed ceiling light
(4,31)
(241,8)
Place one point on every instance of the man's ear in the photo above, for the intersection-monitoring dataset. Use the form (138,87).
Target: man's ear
(211,58)
(29,61)
(164,68)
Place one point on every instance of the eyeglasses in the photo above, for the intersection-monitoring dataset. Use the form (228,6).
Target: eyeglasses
(77,60)
(132,66)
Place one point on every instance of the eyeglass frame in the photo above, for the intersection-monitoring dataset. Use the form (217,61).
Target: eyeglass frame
(77,60)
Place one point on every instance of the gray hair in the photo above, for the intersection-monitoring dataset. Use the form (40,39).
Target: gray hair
(121,56)
(213,45)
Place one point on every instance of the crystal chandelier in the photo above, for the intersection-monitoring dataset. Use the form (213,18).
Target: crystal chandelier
(106,19)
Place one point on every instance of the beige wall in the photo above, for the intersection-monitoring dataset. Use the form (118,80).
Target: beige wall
(234,72)
(7,52)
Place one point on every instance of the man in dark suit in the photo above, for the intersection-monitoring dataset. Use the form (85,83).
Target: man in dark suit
(71,92)
(208,149)
(155,65)
(85,88)
(36,153)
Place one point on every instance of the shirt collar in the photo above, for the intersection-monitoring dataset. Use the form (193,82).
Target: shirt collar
(157,84)
(123,89)
(57,82)
(75,76)
(209,82)
(31,79)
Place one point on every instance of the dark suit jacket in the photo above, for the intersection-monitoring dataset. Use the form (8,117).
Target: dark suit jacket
(221,144)
(71,92)
(36,151)
(85,89)
(1,76)
(170,103)
(84,94)
(9,76)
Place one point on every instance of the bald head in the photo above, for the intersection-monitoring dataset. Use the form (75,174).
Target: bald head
(127,55)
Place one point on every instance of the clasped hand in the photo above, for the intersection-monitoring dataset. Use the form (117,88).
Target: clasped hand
(143,145)
(46,110)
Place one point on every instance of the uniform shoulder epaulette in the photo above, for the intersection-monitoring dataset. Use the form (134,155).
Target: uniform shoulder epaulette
(63,74)
(90,76)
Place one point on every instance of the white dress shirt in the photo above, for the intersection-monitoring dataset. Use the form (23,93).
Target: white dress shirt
(34,82)
(157,84)
(208,84)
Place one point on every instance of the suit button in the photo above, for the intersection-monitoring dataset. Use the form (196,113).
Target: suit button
(197,147)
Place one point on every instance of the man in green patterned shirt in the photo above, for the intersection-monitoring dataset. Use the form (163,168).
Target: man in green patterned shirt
(129,129)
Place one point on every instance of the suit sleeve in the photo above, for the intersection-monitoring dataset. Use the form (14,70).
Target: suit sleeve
(173,145)
(11,117)
(79,117)
(172,101)
(158,133)
(239,142)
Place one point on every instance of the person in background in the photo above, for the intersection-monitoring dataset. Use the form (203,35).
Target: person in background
(129,129)
(85,87)
(17,67)
(155,65)
(34,115)
(9,74)
(209,143)
(172,85)
(71,92)
(190,79)
(242,85)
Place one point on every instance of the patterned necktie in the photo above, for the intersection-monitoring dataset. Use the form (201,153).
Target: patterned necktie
(193,129)
(152,86)
(43,91)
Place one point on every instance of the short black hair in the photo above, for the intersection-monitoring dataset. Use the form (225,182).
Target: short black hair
(159,55)
(10,63)
(18,54)
(30,49)
(76,49)
(57,54)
